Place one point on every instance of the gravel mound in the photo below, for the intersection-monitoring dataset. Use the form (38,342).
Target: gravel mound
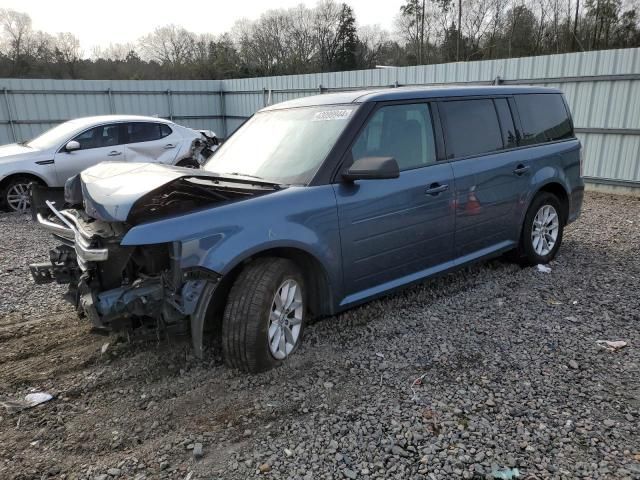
(481,372)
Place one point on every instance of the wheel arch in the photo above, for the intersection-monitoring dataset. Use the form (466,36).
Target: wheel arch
(214,298)
(32,175)
(560,192)
(315,274)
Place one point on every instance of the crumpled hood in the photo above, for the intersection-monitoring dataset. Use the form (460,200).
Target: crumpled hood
(110,190)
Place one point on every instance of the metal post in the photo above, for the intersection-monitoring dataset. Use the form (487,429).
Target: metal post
(264,97)
(111,106)
(170,104)
(223,112)
(9,117)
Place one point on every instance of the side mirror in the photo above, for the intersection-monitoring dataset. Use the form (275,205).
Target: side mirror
(372,168)
(72,145)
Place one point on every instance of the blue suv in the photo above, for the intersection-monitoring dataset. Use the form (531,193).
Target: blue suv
(314,206)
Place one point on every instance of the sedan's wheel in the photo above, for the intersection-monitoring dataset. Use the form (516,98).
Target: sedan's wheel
(16,194)
(542,230)
(264,318)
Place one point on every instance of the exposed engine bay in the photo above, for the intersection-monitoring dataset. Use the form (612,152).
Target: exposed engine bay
(119,287)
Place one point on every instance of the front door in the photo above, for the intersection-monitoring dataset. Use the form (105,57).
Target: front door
(395,231)
(97,144)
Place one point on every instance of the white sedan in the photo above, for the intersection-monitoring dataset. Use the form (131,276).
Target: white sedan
(69,148)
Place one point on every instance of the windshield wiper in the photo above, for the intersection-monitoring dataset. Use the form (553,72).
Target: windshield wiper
(276,185)
(238,174)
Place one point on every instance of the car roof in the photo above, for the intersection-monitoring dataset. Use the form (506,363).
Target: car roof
(88,121)
(406,93)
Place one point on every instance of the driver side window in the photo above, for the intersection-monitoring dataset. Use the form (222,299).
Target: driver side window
(404,132)
(101,136)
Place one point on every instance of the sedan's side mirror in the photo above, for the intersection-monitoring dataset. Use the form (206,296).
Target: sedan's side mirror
(72,145)
(372,168)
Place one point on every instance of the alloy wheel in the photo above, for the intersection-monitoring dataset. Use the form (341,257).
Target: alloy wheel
(544,233)
(285,319)
(18,197)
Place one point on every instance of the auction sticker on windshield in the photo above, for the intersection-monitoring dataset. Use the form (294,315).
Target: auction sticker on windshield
(332,115)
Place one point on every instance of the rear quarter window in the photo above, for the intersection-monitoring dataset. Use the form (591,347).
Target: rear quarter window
(544,118)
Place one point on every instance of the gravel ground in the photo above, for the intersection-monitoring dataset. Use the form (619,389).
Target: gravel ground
(512,377)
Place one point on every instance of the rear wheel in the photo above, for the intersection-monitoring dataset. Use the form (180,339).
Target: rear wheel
(16,194)
(542,230)
(264,318)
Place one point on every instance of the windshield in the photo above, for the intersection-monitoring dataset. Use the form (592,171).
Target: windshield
(282,146)
(54,137)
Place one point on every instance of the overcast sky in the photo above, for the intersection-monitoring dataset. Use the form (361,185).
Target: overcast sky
(119,21)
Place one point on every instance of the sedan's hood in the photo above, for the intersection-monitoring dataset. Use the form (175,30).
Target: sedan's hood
(138,192)
(14,152)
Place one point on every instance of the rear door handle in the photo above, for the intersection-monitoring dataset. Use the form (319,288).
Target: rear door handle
(114,153)
(521,169)
(169,145)
(435,188)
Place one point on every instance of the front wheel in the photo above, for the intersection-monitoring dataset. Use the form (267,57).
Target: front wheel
(542,230)
(16,194)
(264,318)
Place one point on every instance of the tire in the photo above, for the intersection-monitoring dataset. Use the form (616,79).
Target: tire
(188,163)
(540,241)
(248,319)
(15,194)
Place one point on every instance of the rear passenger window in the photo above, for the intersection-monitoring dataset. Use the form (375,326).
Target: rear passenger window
(471,127)
(404,132)
(146,132)
(544,118)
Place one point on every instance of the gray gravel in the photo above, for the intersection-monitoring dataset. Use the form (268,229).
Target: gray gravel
(21,243)
(511,377)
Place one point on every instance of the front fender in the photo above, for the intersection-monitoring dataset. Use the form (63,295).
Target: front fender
(220,237)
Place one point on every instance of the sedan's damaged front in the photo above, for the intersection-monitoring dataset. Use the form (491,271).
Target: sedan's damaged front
(115,284)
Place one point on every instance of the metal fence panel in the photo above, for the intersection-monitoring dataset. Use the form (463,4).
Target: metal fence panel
(601,87)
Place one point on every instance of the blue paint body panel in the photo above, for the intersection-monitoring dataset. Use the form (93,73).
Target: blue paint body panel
(374,236)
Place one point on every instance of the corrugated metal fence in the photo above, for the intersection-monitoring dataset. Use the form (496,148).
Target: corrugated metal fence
(602,88)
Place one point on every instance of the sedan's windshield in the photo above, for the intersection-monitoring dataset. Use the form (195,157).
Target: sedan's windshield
(54,137)
(282,146)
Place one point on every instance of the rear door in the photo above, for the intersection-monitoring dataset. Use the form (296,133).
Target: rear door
(97,144)
(151,142)
(490,179)
(395,231)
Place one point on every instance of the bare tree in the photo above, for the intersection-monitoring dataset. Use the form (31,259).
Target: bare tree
(170,45)
(16,36)
(68,52)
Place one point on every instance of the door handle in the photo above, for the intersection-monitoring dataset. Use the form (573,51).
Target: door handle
(435,189)
(521,169)
(169,145)
(114,153)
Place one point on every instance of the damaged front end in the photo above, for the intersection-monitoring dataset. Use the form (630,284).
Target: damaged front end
(117,287)
(121,287)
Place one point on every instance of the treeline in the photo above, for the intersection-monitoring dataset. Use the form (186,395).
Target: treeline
(328,38)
